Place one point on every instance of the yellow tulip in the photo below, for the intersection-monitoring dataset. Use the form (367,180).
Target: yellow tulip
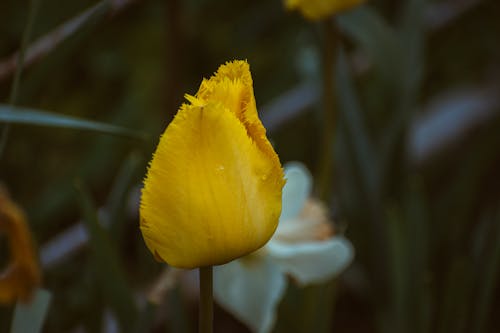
(212,192)
(22,274)
(320,9)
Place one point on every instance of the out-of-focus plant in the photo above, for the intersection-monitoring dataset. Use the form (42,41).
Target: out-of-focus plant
(325,11)
(22,275)
(21,278)
(320,9)
(304,246)
(30,317)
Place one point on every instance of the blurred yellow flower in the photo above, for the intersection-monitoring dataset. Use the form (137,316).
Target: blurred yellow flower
(22,275)
(320,9)
(213,188)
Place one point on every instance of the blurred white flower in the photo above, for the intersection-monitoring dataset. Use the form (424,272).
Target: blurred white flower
(303,246)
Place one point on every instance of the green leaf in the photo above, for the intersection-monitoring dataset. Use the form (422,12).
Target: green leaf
(29,317)
(350,111)
(117,200)
(489,275)
(180,320)
(146,318)
(417,243)
(411,35)
(20,59)
(398,256)
(396,56)
(375,37)
(15,115)
(454,309)
(411,45)
(106,261)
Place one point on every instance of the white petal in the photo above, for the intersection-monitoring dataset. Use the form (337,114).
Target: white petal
(250,288)
(312,262)
(296,190)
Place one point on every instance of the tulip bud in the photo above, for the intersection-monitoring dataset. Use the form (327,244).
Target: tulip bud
(212,192)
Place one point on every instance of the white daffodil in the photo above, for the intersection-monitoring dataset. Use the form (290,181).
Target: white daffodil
(303,247)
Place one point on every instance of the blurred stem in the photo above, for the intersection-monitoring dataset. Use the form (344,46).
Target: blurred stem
(331,41)
(488,278)
(175,51)
(206,300)
(318,305)
(180,320)
(14,90)
(146,318)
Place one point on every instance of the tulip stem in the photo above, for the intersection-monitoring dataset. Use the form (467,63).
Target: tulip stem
(206,300)
(330,48)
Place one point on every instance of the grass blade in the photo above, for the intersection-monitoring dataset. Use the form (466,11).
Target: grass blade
(29,318)
(106,261)
(117,199)
(350,111)
(488,279)
(14,91)
(14,115)
(375,37)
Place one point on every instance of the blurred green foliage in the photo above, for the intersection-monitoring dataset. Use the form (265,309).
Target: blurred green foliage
(425,221)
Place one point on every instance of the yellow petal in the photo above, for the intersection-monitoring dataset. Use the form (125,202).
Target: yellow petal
(213,189)
(320,9)
(22,274)
(232,86)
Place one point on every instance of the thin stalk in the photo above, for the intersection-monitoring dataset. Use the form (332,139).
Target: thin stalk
(175,57)
(33,8)
(206,300)
(330,48)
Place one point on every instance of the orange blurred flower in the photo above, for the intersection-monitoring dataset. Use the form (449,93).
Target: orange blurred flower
(22,274)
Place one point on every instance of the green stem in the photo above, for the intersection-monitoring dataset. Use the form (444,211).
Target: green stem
(330,47)
(206,300)
(33,8)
